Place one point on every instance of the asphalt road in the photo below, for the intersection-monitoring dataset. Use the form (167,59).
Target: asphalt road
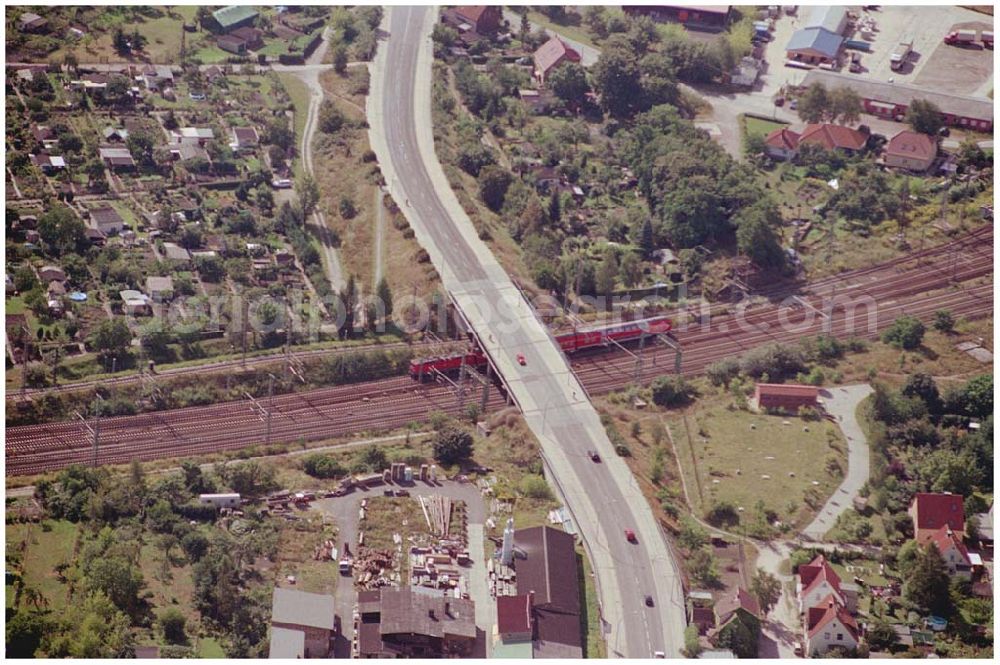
(602,497)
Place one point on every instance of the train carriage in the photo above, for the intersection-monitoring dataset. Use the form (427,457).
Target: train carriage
(569,342)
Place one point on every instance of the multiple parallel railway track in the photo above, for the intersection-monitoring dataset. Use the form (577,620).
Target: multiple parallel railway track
(956,276)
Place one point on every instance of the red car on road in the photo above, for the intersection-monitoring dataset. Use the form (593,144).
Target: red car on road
(630,536)
(521,359)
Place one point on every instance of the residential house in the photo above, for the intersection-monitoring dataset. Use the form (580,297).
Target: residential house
(817,580)
(134,302)
(175,253)
(782,144)
(106,220)
(480,19)
(829,624)
(546,568)
(784,396)
(957,558)
(312,615)
(833,137)
(230,18)
(736,615)
(51,273)
(891,100)
(49,164)
(911,150)
(244,138)
(116,159)
(930,512)
(157,77)
(32,22)
(413,622)
(550,55)
(160,289)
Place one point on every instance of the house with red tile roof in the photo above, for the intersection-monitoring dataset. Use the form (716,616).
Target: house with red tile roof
(550,55)
(782,144)
(736,614)
(930,512)
(953,551)
(829,625)
(481,19)
(817,580)
(833,137)
(911,150)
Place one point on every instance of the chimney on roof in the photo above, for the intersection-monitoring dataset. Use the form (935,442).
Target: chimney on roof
(831,602)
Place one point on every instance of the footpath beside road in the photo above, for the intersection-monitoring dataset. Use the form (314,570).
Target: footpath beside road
(842,403)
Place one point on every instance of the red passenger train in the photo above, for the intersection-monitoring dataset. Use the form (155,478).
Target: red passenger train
(569,342)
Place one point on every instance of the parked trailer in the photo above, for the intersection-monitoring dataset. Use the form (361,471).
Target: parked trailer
(986,37)
(900,55)
(857,45)
(960,37)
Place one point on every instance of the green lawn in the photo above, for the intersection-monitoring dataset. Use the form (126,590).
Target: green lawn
(760,127)
(43,552)
(594,645)
(209,647)
(743,457)
(299,94)
(15,305)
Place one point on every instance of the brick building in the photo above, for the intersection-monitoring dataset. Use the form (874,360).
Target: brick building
(413,623)
(302,624)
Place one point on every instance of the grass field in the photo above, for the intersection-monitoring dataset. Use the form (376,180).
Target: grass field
(299,94)
(745,458)
(760,127)
(42,551)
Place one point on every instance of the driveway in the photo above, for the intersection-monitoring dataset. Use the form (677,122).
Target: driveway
(842,404)
(344,510)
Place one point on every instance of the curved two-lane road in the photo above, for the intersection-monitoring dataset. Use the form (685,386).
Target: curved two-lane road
(602,497)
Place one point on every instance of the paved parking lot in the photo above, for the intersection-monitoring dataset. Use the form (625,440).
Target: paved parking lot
(933,64)
(926,27)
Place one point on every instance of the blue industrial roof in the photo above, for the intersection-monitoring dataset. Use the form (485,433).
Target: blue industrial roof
(817,39)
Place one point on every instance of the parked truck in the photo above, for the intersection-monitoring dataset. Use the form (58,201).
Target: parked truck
(986,37)
(900,54)
(960,37)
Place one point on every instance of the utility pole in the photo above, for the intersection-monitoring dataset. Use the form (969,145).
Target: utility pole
(270,407)
(638,360)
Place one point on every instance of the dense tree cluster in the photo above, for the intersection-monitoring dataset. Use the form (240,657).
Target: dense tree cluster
(696,191)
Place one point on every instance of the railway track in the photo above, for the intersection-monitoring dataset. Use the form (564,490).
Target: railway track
(123,379)
(898,287)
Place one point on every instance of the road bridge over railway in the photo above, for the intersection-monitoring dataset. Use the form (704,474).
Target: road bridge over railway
(603,498)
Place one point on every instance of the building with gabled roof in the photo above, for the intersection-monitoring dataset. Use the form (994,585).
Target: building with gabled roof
(829,625)
(312,615)
(244,138)
(48,163)
(782,143)
(930,512)
(233,17)
(116,158)
(911,150)
(414,622)
(550,55)
(106,220)
(481,19)
(833,137)
(817,580)
(32,22)
(546,567)
(953,552)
